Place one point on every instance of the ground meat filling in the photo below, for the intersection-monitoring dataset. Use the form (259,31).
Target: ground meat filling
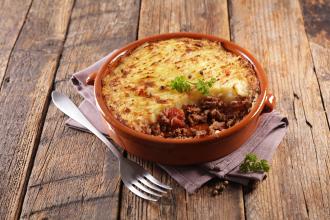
(208,117)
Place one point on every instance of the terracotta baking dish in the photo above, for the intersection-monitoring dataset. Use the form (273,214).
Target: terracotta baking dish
(190,150)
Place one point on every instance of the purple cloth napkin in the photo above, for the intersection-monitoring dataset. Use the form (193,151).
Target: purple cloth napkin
(268,135)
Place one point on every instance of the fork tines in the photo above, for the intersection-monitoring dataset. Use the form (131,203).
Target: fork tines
(148,187)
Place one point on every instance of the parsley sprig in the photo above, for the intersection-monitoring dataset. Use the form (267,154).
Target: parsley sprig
(204,86)
(181,84)
(253,164)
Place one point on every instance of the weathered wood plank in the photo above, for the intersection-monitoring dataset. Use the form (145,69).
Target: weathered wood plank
(317,25)
(24,96)
(74,176)
(12,17)
(297,187)
(209,17)
(172,16)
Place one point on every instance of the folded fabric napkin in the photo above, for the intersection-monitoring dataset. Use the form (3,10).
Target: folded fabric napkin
(268,135)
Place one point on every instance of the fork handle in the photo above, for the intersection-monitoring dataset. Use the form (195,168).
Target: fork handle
(63,103)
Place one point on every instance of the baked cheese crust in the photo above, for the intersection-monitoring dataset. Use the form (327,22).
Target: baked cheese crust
(138,88)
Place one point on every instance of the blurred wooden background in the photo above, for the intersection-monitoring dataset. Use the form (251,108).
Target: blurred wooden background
(48,171)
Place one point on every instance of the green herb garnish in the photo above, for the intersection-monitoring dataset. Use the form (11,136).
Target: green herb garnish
(253,164)
(180,84)
(204,86)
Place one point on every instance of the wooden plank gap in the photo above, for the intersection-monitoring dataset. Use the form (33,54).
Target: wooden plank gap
(229,13)
(138,21)
(120,197)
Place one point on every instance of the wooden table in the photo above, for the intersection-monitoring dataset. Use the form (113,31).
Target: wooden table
(48,171)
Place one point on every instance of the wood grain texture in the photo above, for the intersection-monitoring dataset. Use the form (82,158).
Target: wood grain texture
(297,186)
(74,176)
(316,15)
(12,18)
(24,97)
(173,16)
(209,16)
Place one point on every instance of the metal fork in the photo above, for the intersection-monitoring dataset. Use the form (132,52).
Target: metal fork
(134,176)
